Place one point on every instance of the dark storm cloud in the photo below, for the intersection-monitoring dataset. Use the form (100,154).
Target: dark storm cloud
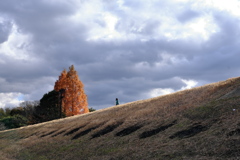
(222,49)
(229,29)
(188,15)
(46,22)
(126,90)
(5,28)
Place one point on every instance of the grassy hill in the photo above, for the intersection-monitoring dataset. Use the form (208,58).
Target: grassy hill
(200,123)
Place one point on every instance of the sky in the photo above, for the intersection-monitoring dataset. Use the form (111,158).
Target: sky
(130,50)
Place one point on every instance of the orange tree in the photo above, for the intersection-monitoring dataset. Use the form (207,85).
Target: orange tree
(74,99)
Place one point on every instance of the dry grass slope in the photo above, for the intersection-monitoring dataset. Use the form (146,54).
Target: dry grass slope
(197,123)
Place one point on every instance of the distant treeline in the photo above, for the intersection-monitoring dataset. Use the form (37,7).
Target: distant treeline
(32,112)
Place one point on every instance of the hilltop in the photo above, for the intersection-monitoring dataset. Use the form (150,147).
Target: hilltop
(199,123)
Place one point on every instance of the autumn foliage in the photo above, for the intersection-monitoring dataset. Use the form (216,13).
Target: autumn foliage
(74,100)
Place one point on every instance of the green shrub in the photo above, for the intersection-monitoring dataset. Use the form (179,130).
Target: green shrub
(14,121)
(92,109)
(2,126)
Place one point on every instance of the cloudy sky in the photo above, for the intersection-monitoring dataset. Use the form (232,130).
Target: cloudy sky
(130,49)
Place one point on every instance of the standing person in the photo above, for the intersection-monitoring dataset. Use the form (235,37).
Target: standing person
(117,103)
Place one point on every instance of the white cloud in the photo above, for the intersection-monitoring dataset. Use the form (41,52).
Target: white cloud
(10,99)
(203,27)
(231,6)
(163,91)
(189,84)
(160,91)
(107,31)
(17,46)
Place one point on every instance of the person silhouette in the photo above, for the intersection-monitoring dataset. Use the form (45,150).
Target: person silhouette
(117,103)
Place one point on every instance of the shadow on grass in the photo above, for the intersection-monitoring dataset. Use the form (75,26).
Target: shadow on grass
(58,133)
(84,132)
(128,130)
(234,133)
(106,130)
(156,131)
(192,131)
(47,134)
(74,130)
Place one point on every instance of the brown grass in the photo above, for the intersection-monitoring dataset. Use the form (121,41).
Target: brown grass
(191,124)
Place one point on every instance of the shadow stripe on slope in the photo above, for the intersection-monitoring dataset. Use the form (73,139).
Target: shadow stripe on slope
(236,132)
(84,132)
(128,130)
(23,137)
(48,134)
(106,130)
(157,130)
(58,133)
(192,131)
(74,130)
